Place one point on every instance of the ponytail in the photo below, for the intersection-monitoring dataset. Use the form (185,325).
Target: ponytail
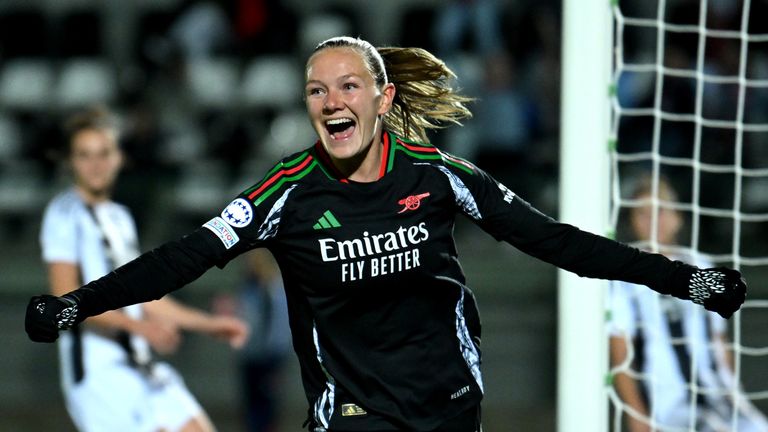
(424,98)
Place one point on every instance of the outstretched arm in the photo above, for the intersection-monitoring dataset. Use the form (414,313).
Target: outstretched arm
(721,289)
(148,277)
(64,277)
(509,218)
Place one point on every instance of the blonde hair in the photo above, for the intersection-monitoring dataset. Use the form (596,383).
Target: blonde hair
(92,117)
(644,187)
(424,97)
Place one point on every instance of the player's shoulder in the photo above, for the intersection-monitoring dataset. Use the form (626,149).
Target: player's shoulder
(427,154)
(288,172)
(62,213)
(66,202)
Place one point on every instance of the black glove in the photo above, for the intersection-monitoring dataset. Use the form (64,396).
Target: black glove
(720,290)
(47,314)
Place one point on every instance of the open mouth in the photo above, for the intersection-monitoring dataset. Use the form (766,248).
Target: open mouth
(340,128)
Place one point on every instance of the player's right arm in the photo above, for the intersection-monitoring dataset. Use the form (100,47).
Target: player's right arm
(250,221)
(148,277)
(64,277)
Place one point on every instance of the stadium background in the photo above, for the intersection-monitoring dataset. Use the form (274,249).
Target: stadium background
(209,92)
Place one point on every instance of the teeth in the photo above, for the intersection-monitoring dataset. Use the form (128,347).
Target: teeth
(338,121)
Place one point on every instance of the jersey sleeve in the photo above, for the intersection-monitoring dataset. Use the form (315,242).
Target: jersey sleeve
(253,218)
(58,234)
(507,217)
(250,220)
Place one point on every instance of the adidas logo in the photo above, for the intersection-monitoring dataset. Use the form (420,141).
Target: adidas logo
(327,220)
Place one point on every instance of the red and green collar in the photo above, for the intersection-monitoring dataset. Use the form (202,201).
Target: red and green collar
(306,161)
(391,144)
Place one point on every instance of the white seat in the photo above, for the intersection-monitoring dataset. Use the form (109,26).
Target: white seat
(26,84)
(22,189)
(184,145)
(316,28)
(85,81)
(201,188)
(289,132)
(271,82)
(212,82)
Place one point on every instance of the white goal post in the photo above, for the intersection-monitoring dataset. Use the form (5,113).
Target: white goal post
(584,201)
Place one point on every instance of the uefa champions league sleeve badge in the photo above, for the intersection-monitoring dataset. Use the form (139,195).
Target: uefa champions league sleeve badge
(238,213)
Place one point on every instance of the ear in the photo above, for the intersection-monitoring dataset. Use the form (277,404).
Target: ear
(387,96)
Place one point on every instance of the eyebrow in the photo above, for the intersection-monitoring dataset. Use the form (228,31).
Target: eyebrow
(341,78)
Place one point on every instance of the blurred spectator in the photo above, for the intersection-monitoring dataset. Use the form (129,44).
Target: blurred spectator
(458,19)
(264,26)
(202,29)
(260,301)
(537,54)
(504,120)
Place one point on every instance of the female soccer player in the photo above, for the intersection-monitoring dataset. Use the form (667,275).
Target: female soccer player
(674,342)
(361,226)
(109,379)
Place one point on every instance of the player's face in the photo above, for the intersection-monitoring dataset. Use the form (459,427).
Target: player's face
(344,103)
(96,160)
(668,223)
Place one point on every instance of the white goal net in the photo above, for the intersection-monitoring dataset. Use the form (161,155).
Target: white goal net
(690,109)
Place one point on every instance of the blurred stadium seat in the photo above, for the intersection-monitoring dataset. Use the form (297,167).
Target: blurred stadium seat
(184,145)
(26,83)
(289,132)
(85,80)
(213,82)
(22,189)
(271,83)
(200,189)
(316,28)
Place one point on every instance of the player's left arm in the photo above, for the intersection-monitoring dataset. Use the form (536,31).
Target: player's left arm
(508,217)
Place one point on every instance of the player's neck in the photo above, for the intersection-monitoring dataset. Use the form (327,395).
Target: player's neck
(365,167)
(91,196)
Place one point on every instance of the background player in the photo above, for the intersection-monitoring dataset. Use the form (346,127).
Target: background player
(669,337)
(109,379)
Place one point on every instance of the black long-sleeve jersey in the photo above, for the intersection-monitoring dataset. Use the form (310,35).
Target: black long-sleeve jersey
(381,318)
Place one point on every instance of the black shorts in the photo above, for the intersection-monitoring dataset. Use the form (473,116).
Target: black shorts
(467,421)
